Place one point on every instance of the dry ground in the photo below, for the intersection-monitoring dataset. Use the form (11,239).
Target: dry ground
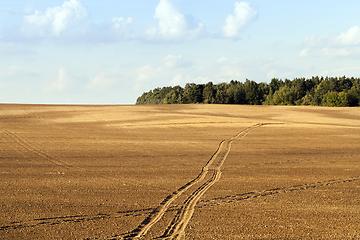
(113,172)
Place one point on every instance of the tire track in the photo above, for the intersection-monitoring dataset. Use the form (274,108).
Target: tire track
(50,158)
(37,117)
(50,221)
(233,199)
(62,219)
(192,202)
(282,190)
(38,152)
(45,122)
(183,217)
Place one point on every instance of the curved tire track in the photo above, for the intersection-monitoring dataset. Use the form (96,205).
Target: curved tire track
(183,217)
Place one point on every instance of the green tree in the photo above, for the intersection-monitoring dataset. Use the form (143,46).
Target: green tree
(174,96)
(209,93)
(284,96)
(252,93)
(335,99)
(276,84)
(188,96)
(220,94)
(320,91)
(353,97)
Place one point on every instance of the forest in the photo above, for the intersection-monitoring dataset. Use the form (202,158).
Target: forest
(316,91)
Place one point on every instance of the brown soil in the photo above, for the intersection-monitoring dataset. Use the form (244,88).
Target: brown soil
(179,171)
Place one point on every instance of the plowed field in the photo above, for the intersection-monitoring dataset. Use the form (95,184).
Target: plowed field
(179,172)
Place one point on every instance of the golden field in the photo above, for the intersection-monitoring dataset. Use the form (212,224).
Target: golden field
(179,172)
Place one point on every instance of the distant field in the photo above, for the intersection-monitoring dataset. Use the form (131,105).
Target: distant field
(179,171)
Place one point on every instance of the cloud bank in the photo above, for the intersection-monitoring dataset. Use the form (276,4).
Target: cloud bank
(343,44)
(172,25)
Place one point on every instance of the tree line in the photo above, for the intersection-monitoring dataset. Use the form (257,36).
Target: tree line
(316,91)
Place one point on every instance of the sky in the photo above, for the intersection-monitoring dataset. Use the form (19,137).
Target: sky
(111,51)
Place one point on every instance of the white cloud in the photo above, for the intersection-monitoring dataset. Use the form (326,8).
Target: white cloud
(304,52)
(55,20)
(343,44)
(351,37)
(147,74)
(173,25)
(222,60)
(330,51)
(60,84)
(315,40)
(121,23)
(339,51)
(235,24)
(100,81)
(172,61)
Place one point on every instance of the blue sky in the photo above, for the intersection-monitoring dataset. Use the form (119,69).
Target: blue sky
(87,51)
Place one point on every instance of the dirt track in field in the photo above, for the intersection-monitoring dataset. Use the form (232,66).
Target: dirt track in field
(177,227)
(179,172)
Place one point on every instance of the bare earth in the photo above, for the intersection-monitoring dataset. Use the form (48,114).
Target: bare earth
(179,172)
